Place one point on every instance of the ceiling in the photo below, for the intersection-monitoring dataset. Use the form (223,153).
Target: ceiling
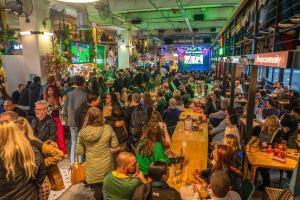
(162,18)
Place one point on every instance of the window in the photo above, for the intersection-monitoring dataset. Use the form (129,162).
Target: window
(270,72)
(296,80)
(275,75)
(286,77)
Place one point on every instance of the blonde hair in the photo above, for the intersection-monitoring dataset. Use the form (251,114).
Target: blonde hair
(24,125)
(15,150)
(232,141)
(270,125)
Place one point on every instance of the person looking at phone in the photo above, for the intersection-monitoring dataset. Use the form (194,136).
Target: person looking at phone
(120,184)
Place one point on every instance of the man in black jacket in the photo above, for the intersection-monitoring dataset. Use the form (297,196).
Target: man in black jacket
(35,92)
(93,100)
(159,189)
(44,127)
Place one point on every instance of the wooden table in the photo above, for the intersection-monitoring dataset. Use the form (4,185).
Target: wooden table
(243,125)
(282,103)
(194,146)
(194,114)
(262,159)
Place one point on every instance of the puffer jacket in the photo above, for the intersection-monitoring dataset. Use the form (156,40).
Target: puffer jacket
(17,188)
(95,143)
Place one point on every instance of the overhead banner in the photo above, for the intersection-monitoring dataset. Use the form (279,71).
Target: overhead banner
(274,59)
(101,56)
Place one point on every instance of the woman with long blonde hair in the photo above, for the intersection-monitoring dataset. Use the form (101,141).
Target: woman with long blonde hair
(21,166)
(51,154)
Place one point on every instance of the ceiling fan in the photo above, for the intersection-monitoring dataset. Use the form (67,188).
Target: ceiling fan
(22,8)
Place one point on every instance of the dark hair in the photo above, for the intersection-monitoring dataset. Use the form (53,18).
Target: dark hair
(157,170)
(93,117)
(91,96)
(147,100)
(271,102)
(220,183)
(297,110)
(233,119)
(37,79)
(78,80)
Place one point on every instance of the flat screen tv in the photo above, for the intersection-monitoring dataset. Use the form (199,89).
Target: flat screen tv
(193,59)
(80,53)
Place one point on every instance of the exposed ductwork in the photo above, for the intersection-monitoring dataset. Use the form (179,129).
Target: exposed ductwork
(83,18)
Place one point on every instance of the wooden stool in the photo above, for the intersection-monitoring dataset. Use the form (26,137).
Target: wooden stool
(278,194)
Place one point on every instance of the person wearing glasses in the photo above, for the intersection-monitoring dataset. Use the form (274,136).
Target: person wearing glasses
(43,125)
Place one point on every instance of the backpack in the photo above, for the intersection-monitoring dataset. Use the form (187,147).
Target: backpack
(139,119)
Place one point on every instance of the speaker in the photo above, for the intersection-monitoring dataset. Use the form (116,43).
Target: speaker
(207,40)
(168,41)
(213,29)
(198,17)
(136,21)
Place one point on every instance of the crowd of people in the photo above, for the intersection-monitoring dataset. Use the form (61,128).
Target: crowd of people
(122,130)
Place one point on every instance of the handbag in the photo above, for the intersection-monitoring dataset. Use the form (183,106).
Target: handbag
(78,169)
(55,178)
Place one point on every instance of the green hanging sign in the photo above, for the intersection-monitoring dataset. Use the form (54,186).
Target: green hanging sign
(100,57)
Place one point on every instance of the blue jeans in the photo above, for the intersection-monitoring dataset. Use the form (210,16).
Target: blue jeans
(74,135)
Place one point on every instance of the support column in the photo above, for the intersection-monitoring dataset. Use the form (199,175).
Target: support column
(232,88)
(36,45)
(251,102)
(124,49)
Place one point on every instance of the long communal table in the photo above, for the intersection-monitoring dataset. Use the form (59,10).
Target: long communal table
(193,145)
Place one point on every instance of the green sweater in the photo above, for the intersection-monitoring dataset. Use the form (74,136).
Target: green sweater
(158,154)
(118,186)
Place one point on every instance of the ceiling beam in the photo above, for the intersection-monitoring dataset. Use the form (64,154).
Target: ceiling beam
(186,19)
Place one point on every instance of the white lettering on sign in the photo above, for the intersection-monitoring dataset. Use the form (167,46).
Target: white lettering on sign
(274,60)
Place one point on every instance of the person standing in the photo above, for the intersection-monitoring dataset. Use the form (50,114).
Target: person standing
(95,140)
(44,127)
(21,166)
(171,116)
(16,94)
(35,92)
(72,101)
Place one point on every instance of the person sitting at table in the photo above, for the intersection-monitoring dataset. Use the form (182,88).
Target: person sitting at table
(158,189)
(220,187)
(278,89)
(151,149)
(179,101)
(288,129)
(231,127)
(270,109)
(268,135)
(209,104)
(232,141)
(216,117)
(238,88)
(171,116)
(294,100)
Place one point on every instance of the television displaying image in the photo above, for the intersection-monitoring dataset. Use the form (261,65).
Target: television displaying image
(80,53)
(193,59)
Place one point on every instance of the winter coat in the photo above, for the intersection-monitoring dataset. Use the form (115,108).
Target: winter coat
(35,94)
(45,129)
(95,143)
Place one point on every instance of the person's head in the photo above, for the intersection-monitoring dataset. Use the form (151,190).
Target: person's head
(231,120)
(51,80)
(231,141)
(20,87)
(153,134)
(52,91)
(270,103)
(8,116)
(147,99)
(158,171)
(9,105)
(172,103)
(223,157)
(220,184)
(25,128)
(296,113)
(270,125)
(258,96)
(92,98)
(41,109)
(126,163)
(93,117)
(112,98)
(37,80)
(237,83)
(78,81)
(155,116)
(136,98)
(224,105)
(16,151)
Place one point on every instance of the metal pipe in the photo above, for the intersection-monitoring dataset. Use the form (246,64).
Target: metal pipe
(182,12)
